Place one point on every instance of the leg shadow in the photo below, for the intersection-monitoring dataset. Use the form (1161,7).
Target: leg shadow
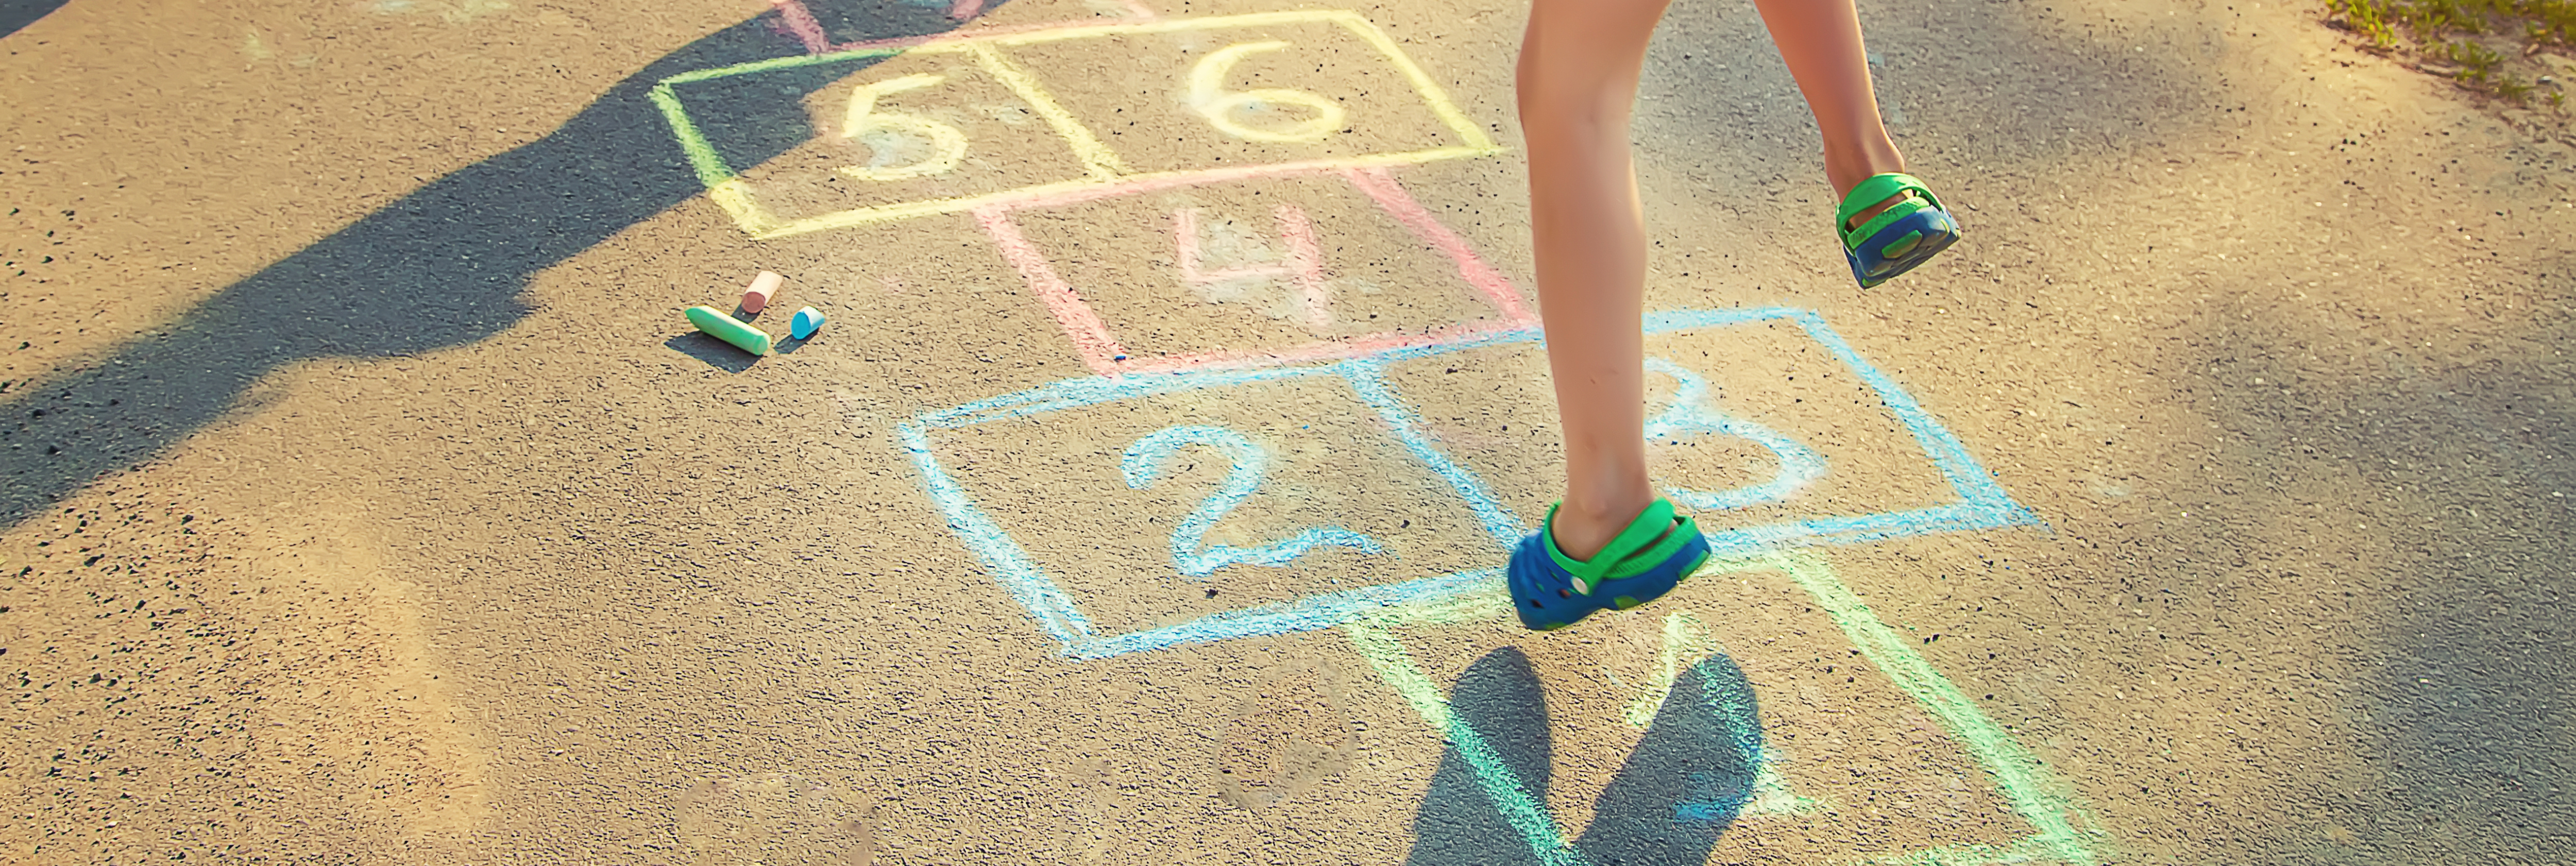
(1677,793)
(1691,774)
(441,267)
(1498,699)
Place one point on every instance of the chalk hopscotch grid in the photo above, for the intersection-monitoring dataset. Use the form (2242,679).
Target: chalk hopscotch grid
(1459,597)
(1981,503)
(730,191)
(2020,776)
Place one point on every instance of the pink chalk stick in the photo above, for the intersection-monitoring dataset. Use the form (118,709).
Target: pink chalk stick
(763,288)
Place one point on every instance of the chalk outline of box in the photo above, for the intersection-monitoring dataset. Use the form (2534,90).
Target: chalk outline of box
(1981,503)
(735,195)
(1105,354)
(2021,777)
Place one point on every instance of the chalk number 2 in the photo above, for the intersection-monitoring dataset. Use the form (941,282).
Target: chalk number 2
(1143,466)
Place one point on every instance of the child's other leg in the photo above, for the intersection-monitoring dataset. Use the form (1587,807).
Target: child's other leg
(1821,41)
(1579,64)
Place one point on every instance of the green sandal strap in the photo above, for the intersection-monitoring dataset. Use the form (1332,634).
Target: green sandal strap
(1635,550)
(1885,218)
(1677,534)
(1878,188)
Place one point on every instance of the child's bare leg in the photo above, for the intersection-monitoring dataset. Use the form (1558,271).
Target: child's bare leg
(1579,64)
(1820,39)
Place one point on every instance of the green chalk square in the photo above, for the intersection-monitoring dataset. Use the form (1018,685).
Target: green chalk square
(2061,830)
(703,157)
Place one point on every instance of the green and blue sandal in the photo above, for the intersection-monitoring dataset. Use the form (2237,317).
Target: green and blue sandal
(1906,234)
(1552,590)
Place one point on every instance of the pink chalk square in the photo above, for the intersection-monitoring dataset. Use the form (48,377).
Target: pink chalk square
(1287,268)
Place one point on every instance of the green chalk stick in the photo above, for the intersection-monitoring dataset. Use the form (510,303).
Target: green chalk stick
(726,328)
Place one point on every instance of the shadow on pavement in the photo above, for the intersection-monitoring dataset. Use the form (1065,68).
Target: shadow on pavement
(442,267)
(2449,438)
(716,353)
(1684,785)
(2467,709)
(15,15)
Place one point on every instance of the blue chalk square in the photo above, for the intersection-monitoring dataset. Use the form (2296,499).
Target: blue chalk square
(1154,509)
(1763,424)
(1307,496)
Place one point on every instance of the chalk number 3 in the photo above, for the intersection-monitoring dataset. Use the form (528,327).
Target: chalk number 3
(1143,466)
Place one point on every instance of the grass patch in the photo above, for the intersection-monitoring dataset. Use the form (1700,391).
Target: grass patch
(2434,32)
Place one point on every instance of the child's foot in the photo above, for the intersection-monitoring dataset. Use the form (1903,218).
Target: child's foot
(1656,551)
(1891,223)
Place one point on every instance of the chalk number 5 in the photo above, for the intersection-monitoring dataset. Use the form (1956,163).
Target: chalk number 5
(879,129)
(1190,551)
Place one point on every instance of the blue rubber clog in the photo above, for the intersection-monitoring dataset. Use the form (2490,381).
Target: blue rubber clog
(1655,553)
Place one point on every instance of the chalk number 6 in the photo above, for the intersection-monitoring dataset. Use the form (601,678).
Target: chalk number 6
(1211,100)
(947,144)
(1190,552)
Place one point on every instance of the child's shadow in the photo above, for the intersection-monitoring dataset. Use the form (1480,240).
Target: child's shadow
(1690,776)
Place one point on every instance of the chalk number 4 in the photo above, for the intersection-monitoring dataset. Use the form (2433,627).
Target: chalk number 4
(1190,551)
